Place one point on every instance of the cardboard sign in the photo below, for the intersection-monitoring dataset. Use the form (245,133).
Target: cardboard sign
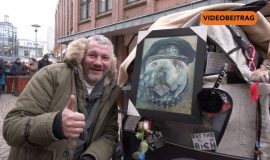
(204,141)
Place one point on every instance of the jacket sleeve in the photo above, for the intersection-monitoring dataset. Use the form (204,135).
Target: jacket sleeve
(103,147)
(29,121)
(1,70)
(39,65)
(23,70)
(12,69)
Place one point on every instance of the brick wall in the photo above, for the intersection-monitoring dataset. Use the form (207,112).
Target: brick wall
(76,14)
(161,5)
(135,10)
(120,11)
(104,20)
(121,51)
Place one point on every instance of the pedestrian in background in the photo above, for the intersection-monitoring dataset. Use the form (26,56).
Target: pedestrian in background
(2,76)
(18,68)
(33,66)
(68,110)
(7,66)
(44,61)
(25,66)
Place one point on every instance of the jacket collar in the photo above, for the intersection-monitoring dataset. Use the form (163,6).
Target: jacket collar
(98,89)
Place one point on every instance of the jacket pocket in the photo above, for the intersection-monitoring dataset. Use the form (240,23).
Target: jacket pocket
(31,154)
(41,154)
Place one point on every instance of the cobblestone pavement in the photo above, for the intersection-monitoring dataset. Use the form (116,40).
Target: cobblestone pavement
(7,101)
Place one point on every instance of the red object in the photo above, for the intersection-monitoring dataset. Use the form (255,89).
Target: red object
(254,94)
(10,81)
(20,83)
(251,63)
(16,84)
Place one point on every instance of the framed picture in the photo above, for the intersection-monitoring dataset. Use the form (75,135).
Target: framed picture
(167,74)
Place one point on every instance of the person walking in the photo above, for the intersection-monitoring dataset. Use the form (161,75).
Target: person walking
(7,67)
(2,76)
(68,110)
(33,66)
(17,68)
(44,61)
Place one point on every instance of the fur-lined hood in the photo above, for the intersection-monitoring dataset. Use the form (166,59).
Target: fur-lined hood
(75,53)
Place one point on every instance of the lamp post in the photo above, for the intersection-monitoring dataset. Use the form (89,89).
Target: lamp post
(36,26)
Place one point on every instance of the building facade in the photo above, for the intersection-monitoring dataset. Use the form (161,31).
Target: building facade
(8,38)
(120,20)
(27,49)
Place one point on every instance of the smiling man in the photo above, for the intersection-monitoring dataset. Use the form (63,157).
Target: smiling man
(97,61)
(68,110)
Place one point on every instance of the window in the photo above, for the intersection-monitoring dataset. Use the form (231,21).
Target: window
(26,52)
(130,1)
(85,9)
(104,5)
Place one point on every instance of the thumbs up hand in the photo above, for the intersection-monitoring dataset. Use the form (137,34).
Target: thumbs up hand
(72,122)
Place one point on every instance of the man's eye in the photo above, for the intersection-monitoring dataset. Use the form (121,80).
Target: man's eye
(91,55)
(106,58)
(177,64)
(154,64)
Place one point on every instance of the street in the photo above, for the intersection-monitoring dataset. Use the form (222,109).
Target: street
(7,101)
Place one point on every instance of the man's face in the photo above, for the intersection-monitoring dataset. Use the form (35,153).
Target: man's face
(165,75)
(97,62)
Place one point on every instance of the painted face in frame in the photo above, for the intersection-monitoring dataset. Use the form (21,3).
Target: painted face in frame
(165,75)
(97,62)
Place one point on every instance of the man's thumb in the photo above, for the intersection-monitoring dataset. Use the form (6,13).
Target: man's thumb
(71,103)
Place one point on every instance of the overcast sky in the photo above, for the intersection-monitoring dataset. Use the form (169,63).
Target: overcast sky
(24,13)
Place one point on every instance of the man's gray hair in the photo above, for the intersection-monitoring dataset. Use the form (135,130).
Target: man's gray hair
(101,40)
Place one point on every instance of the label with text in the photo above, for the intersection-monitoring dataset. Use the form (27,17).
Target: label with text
(204,141)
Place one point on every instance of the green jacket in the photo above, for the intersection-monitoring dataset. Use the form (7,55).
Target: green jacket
(28,127)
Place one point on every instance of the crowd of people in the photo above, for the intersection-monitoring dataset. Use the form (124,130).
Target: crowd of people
(20,68)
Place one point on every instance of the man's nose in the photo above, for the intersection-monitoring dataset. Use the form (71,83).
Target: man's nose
(98,61)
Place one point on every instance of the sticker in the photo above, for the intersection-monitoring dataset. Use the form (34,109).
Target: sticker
(204,141)
(155,140)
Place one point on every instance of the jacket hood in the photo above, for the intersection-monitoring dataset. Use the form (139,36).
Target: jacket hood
(75,53)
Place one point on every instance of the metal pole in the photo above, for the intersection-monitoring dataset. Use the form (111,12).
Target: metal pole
(36,43)
(36,26)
